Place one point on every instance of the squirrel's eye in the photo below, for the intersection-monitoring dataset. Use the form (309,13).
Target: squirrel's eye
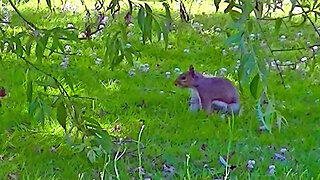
(183,78)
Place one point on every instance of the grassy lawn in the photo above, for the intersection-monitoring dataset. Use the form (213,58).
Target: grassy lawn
(32,147)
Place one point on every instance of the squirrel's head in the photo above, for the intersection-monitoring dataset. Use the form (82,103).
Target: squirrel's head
(186,79)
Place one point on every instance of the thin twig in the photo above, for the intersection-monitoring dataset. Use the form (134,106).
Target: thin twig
(274,60)
(18,12)
(62,53)
(306,14)
(74,96)
(85,7)
(296,49)
(286,50)
(94,32)
(4,22)
(60,86)
(284,17)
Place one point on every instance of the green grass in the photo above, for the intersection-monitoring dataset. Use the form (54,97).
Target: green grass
(170,131)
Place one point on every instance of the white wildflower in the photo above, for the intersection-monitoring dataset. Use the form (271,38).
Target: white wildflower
(299,35)
(263,44)
(79,52)
(282,38)
(132,72)
(235,47)
(271,170)
(303,59)
(315,48)
(222,71)
(224,52)
(250,164)
(161,37)
(70,25)
(130,34)
(283,150)
(105,20)
(67,48)
(168,74)
(186,50)
(217,29)
(144,68)
(65,62)
(98,61)
(252,37)
(177,70)
(258,36)
(128,45)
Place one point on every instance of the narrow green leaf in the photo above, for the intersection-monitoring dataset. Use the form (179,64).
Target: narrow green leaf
(39,51)
(148,8)
(41,45)
(247,65)
(234,39)
(129,58)
(33,106)
(60,46)
(235,15)
(165,35)
(314,4)
(157,28)
(62,115)
(49,4)
(130,6)
(39,115)
(258,9)
(247,8)
(229,7)
(71,35)
(91,156)
(254,85)
(168,13)
(54,45)
(250,26)
(69,81)
(29,91)
(277,25)
(303,21)
(19,49)
(216,3)
(260,116)
(68,139)
(141,18)
(293,5)
(104,140)
(92,122)
(28,46)
(148,27)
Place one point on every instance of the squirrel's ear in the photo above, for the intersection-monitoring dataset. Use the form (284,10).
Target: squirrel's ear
(191,68)
(191,71)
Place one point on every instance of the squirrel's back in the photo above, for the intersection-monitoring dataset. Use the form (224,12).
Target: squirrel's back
(217,88)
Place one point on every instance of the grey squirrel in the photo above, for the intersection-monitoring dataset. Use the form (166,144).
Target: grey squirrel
(209,93)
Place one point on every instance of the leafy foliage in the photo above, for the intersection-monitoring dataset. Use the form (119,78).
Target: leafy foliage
(95,106)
